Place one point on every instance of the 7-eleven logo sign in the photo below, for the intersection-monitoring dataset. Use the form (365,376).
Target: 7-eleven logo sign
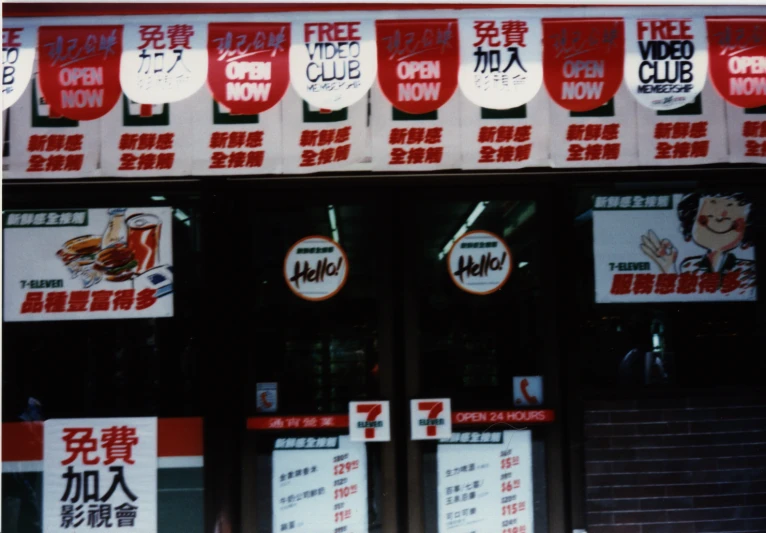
(431,419)
(369,421)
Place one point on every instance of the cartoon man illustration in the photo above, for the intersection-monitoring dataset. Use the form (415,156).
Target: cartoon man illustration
(719,223)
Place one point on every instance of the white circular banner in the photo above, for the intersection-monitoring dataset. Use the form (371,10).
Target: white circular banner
(501,61)
(666,60)
(316,268)
(163,63)
(479,262)
(333,63)
(19,43)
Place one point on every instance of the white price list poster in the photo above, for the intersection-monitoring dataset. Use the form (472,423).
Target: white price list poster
(319,484)
(485,483)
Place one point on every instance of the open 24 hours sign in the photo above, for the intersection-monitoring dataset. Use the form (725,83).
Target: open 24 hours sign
(69,264)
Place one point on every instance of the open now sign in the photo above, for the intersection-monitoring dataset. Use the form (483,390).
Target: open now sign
(369,421)
(431,419)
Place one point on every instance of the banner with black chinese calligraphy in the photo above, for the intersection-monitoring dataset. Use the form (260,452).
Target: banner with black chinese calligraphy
(147,140)
(320,140)
(100,475)
(19,45)
(484,482)
(79,69)
(40,143)
(501,63)
(333,62)
(70,264)
(694,247)
(687,135)
(319,484)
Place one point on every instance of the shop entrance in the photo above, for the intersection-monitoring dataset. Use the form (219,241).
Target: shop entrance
(404,323)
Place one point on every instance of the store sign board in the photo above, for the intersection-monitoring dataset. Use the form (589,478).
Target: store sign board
(480,262)
(418,62)
(501,63)
(430,419)
(666,60)
(583,61)
(333,63)
(369,421)
(163,63)
(80,69)
(316,268)
(100,475)
(85,264)
(738,59)
(484,482)
(319,484)
(695,247)
(249,65)
(19,42)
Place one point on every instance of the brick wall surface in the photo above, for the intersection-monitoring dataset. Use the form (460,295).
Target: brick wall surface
(689,465)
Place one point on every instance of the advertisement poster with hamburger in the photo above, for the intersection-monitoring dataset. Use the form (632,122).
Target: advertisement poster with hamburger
(691,247)
(84,264)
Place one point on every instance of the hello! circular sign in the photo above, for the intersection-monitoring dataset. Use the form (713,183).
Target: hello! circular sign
(479,262)
(316,268)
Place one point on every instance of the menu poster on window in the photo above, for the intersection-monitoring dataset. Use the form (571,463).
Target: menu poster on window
(70,264)
(100,475)
(695,247)
(319,485)
(485,482)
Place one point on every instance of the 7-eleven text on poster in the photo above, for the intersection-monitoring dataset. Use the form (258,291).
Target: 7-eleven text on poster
(695,247)
(69,264)
(319,485)
(484,482)
(100,475)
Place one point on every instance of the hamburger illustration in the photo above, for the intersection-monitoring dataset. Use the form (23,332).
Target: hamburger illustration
(80,252)
(117,263)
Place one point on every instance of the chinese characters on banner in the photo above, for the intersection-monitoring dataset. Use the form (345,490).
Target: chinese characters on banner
(666,60)
(320,140)
(163,63)
(333,62)
(18,61)
(686,135)
(69,264)
(146,140)
(319,485)
(592,122)
(674,248)
(501,64)
(100,475)
(249,71)
(79,69)
(40,143)
(484,482)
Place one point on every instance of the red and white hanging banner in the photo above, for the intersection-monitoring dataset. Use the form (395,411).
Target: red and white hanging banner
(583,61)
(418,63)
(79,69)
(140,140)
(227,144)
(685,136)
(404,142)
(259,423)
(333,63)
(666,60)
(501,62)
(163,63)
(747,134)
(249,65)
(18,61)
(605,136)
(39,143)
(505,138)
(320,140)
(737,48)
